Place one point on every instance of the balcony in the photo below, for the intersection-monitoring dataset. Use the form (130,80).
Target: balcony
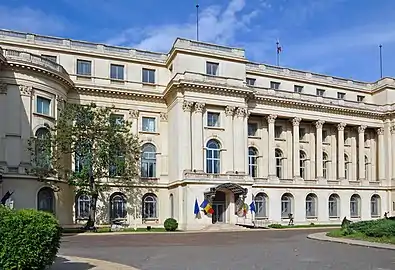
(202,176)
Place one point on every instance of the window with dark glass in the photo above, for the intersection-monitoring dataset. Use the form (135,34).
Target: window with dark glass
(360,98)
(148,161)
(320,92)
(212,68)
(51,58)
(298,89)
(341,95)
(251,81)
(148,75)
(213,119)
(84,67)
(117,72)
(252,129)
(43,105)
(148,124)
(275,85)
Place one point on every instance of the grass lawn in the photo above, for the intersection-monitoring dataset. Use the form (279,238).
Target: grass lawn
(361,236)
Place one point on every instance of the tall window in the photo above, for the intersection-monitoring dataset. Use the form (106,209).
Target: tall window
(43,105)
(148,75)
(367,168)
(253,161)
(213,157)
(46,200)
(303,159)
(117,162)
(325,165)
(84,67)
(375,206)
(117,72)
(42,149)
(346,167)
(334,206)
(150,206)
(252,129)
(286,205)
(117,206)
(355,202)
(148,161)
(311,206)
(212,68)
(261,205)
(279,163)
(148,124)
(83,203)
(171,199)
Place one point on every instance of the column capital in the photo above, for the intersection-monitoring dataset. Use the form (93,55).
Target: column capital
(163,116)
(199,107)
(229,110)
(380,131)
(241,112)
(187,106)
(26,90)
(3,88)
(361,129)
(392,129)
(341,126)
(271,118)
(296,121)
(319,124)
(134,114)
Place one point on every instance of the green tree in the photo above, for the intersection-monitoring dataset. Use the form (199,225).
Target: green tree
(105,151)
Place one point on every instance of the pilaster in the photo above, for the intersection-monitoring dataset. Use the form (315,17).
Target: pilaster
(361,152)
(197,137)
(134,116)
(296,148)
(164,134)
(185,137)
(319,124)
(340,143)
(271,153)
(393,152)
(230,130)
(240,142)
(381,154)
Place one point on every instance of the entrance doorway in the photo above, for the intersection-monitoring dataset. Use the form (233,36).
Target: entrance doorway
(219,203)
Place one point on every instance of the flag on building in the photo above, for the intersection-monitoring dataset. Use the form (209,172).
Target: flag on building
(279,48)
(245,209)
(207,207)
(196,209)
(252,207)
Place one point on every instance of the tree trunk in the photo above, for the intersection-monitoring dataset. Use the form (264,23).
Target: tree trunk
(92,213)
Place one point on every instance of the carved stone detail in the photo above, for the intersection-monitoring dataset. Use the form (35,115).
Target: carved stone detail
(187,106)
(163,116)
(26,90)
(134,114)
(393,130)
(199,107)
(229,110)
(341,126)
(361,129)
(271,118)
(3,88)
(380,131)
(296,121)
(241,112)
(319,124)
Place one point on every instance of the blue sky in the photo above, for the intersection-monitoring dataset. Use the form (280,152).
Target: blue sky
(336,37)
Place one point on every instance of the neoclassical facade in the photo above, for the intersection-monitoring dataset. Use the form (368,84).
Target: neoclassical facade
(212,125)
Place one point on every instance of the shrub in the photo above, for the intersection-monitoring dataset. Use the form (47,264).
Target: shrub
(29,239)
(171,225)
(375,228)
(275,226)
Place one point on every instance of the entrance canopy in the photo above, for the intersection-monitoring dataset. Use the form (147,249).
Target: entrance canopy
(234,188)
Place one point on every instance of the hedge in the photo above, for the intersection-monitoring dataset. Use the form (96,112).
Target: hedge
(29,239)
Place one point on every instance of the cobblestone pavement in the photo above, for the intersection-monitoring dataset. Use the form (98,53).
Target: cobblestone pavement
(265,250)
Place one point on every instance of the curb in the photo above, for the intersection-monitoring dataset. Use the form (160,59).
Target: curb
(69,262)
(325,238)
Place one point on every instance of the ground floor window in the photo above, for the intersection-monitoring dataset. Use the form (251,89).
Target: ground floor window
(150,206)
(311,206)
(286,205)
(46,200)
(83,203)
(375,206)
(118,206)
(355,202)
(261,205)
(334,203)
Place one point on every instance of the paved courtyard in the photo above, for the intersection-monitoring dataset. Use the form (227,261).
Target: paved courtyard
(265,250)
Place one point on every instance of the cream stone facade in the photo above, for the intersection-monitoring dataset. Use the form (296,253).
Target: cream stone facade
(212,125)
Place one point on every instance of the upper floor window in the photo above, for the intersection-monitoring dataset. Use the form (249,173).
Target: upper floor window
(251,81)
(148,75)
(278,130)
(252,129)
(43,105)
(325,135)
(49,57)
(302,134)
(320,92)
(212,119)
(212,68)
(298,89)
(116,119)
(117,72)
(213,158)
(148,161)
(84,67)
(149,124)
(275,85)
(252,161)
(341,95)
(360,98)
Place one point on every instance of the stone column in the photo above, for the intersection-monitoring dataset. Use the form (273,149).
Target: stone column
(164,134)
(393,151)
(361,152)
(296,148)
(240,151)
(197,137)
(381,154)
(229,140)
(185,138)
(340,141)
(318,125)
(354,157)
(134,116)
(271,153)
(3,100)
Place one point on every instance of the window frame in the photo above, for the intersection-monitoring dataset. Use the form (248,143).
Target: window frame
(286,199)
(209,68)
(150,79)
(253,161)
(148,162)
(119,200)
(275,85)
(298,89)
(78,67)
(213,157)
(44,98)
(261,204)
(311,206)
(250,124)
(148,118)
(334,201)
(250,81)
(375,199)
(79,202)
(279,156)
(355,203)
(318,92)
(208,118)
(341,95)
(153,215)
(50,197)
(117,73)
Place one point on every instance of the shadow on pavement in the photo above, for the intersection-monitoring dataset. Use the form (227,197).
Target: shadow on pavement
(64,264)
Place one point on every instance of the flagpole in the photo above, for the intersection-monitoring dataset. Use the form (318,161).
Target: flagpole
(197,22)
(278,53)
(381,61)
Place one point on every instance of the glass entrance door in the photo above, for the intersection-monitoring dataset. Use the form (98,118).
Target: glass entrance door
(219,213)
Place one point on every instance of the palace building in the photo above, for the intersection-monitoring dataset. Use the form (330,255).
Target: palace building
(213,126)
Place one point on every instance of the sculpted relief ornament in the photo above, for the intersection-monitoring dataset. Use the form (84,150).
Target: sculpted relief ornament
(241,112)
(380,131)
(296,121)
(199,107)
(229,110)
(134,114)
(3,88)
(361,129)
(341,126)
(26,90)
(319,124)
(271,118)
(187,106)
(163,116)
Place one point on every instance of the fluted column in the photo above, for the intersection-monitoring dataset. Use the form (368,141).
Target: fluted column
(340,141)
(240,145)
(381,154)
(185,139)
(393,151)
(361,152)
(296,148)
(272,157)
(197,137)
(230,130)
(319,124)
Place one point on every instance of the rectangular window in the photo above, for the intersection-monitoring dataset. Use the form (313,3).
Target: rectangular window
(341,95)
(148,75)
(84,67)
(302,134)
(212,68)
(320,92)
(298,89)
(251,81)
(116,119)
(324,135)
(252,129)
(117,72)
(275,85)
(49,57)
(360,98)
(149,124)
(43,105)
(212,119)
(278,130)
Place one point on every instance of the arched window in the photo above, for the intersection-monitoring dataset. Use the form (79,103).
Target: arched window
(346,167)
(261,205)
(286,205)
(148,161)
(82,206)
(42,148)
(311,206)
(325,165)
(117,206)
(171,199)
(253,161)
(150,206)
(334,206)
(355,204)
(367,168)
(46,200)
(213,159)
(303,159)
(375,206)
(279,163)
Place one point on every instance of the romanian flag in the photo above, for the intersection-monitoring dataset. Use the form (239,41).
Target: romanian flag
(245,209)
(207,207)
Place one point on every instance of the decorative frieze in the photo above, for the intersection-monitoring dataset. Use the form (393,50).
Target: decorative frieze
(163,116)
(229,110)
(3,88)
(187,106)
(134,114)
(26,90)
(199,107)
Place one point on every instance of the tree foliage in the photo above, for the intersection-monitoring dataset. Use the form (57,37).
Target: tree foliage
(101,144)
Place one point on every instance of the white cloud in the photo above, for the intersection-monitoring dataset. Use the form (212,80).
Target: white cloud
(216,24)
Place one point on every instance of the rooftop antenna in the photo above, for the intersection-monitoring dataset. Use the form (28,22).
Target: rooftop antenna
(197,22)
(381,61)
